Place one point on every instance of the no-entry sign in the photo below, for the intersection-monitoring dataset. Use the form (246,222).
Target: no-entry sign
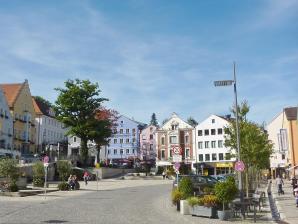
(239,166)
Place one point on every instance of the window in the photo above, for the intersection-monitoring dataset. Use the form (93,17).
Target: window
(212,131)
(74,139)
(151,147)
(283,156)
(115,140)
(127,140)
(174,127)
(173,139)
(187,155)
(228,156)
(127,131)
(144,137)
(201,157)
(115,151)
(206,144)
(115,131)
(121,151)
(213,144)
(133,151)
(219,131)
(121,122)
(214,157)
(200,144)
(121,140)
(219,143)
(134,140)
(207,157)
(133,130)
(220,156)
(162,140)
(200,132)
(213,121)
(121,131)
(108,152)
(151,137)
(171,152)
(163,155)
(127,151)
(206,132)
(186,139)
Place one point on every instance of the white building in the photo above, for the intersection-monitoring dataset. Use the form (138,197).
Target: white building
(49,131)
(125,141)
(211,152)
(6,128)
(278,133)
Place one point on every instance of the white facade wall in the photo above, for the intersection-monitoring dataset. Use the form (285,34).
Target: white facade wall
(49,131)
(6,125)
(213,143)
(279,158)
(126,140)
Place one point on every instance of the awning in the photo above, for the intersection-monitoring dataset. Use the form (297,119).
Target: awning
(163,163)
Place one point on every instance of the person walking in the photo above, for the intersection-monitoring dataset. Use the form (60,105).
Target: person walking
(279,183)
(294,184)
(86,177)
(163,175)
(296,195)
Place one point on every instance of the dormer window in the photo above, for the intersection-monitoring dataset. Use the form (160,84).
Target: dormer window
(174,126)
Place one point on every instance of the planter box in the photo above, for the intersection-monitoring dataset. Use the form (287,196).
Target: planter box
(184,207)
(204,211)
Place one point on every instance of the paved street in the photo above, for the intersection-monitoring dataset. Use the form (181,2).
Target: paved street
(117,201)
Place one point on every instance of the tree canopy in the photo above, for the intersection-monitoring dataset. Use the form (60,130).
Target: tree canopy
(153,120)
(76,107)
(192,121)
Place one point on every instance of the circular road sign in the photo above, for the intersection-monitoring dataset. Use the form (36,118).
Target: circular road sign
(176,149)
(46,159)
(239,166)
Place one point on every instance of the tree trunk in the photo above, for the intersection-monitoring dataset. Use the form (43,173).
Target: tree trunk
(84,151)
(98,153)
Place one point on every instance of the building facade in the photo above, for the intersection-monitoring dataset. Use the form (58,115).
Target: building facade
(211,152)
(148,143)
(21,108)
(6,127)
(50,133)
(283,132)
(175,133)
(125,141)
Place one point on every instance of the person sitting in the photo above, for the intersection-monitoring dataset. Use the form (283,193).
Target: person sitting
(71,182)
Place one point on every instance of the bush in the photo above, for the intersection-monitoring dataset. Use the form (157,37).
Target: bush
(226,191)
(186,187)
(64,169)
(176,196)
(208,190)
(9,169)
(210,201)
(170,171)
(38,174)
(192,201)
(13,187)
(63,186)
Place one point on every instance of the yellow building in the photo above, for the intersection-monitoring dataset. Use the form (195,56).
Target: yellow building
(21,107)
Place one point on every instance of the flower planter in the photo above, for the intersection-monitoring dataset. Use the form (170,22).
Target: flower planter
(184,207)
(224,215)
(204,211)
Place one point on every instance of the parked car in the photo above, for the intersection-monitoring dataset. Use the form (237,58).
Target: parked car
(199,182)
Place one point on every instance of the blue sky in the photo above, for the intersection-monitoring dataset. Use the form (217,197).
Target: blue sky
(157,56)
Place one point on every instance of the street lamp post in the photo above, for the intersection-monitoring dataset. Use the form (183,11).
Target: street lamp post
(228,83)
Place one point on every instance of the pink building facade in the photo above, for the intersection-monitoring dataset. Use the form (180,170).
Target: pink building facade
(148,143)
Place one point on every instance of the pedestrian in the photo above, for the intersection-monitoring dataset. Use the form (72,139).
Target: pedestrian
(71,182)
(163,175)
(296,195)
(86,177)
(279,183)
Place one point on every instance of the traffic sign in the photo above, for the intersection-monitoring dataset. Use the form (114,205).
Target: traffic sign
(239,166)
(46,159)
(177,166)
(176,149)
(177,158)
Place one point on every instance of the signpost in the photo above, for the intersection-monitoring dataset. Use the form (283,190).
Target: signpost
(177,159)
(45,164)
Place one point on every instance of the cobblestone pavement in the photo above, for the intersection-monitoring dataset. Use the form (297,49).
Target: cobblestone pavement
(115,201)
(285,204)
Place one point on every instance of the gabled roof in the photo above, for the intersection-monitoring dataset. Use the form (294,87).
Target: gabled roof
(36,107)
(11,92)
(174,115)
(291,113)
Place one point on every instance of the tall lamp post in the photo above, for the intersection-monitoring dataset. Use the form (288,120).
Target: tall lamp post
(228,83)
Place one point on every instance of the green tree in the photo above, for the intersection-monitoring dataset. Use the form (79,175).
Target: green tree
(38,174)
(76,107)
(165,121)
(43,101)
(64,169)
(192,122)
(255,147)
(153,120)
(9,170)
